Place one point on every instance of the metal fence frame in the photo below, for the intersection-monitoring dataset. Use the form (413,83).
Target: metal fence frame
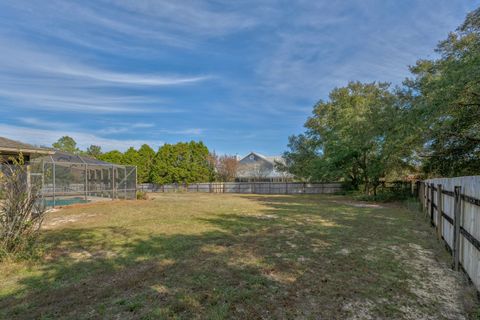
(121,182)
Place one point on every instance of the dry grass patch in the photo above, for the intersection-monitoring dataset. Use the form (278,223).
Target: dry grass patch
(208,256)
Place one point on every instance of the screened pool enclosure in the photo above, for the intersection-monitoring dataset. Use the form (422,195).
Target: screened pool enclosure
(66,179)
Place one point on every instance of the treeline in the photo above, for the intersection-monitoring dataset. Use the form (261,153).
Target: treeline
(183,162)
(366,133)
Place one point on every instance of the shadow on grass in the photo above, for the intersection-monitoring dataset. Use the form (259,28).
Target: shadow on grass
(299,257)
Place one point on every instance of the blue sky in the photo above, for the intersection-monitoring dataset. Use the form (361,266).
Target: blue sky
(239,75)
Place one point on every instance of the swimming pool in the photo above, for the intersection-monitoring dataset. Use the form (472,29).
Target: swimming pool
(65,202)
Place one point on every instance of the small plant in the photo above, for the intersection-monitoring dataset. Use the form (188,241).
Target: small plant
(142,195)
(21,209)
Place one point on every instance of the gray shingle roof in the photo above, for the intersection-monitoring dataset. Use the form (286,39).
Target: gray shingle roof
(264,168)
(12,145)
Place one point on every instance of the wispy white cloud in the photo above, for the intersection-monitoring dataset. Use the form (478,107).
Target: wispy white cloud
(143,125)
(190,131)
(103,25)
(244,67)
(124,78)
(327,44)
(84,139)
(22,59)
(51,81)
(119,128)
(78,101)
(43,123)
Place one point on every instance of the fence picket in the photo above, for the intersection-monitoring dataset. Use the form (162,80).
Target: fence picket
(456,233)
(439,212)
(248,187)
(457,206)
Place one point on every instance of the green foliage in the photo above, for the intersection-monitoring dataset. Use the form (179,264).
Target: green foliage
(94,151)
(144,167)
(131,157)
(354,137)
(182,162)
(66,144)
(301,159)
(142,195)
(113,156)
(398,191)
(445,98)
(366,133)
(21,210)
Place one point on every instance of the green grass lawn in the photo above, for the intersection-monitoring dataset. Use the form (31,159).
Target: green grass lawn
(211,256)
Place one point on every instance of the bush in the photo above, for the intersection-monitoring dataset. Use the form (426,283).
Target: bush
(384,195)
(21,210)
(142,195)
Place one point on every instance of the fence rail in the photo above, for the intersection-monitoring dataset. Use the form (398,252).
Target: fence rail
(246,187)
(453,208)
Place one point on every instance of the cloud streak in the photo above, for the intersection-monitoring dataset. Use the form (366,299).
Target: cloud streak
(126,79)
(241,75)
(50,81)
(45,137)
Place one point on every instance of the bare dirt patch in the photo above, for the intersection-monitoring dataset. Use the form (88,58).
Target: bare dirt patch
(433,283)
(53,222)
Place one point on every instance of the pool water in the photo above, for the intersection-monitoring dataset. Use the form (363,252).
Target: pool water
(65,202)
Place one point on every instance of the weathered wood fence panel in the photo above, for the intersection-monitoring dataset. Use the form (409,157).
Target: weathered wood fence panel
(247,187)
(453,207)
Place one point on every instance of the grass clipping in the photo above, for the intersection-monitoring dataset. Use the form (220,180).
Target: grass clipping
(21,210)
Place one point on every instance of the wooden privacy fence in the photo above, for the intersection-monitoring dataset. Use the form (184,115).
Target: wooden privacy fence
(453,207)
(246,187)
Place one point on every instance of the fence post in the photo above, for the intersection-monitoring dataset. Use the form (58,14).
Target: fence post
(456,230)
(113,182)
(304,187)
(86,182)
(54,185)
(439,212)
(427,192)
(432,204)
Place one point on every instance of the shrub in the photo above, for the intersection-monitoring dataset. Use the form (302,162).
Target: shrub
(142,195)
(21,210)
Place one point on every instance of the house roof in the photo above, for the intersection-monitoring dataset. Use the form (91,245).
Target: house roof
(245,169)
(271,159)
(8,145)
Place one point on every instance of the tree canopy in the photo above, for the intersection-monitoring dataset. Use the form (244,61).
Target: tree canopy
(446,99)
(66,144)
(113,156)
(182,162)
(366,133)
(94,151)
(144,166)
(351,137)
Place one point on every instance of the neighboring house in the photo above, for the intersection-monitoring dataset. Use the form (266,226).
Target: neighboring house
(11,149)
(257,167)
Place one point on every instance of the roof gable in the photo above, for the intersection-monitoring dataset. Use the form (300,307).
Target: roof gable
(257,156)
